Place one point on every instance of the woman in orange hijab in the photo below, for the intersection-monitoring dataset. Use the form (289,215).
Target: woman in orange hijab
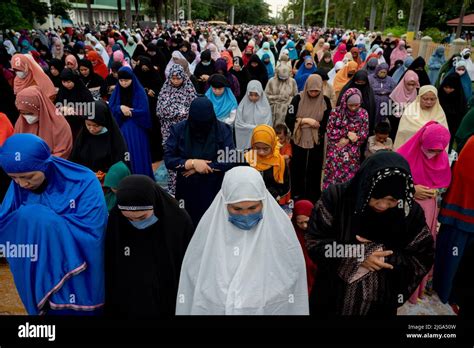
(6,128)
(228,58)
(39,116)
(29,73)
(265,157)
(98,63)
(343,76)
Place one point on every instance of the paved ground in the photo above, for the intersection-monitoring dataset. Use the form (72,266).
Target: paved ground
(10,303)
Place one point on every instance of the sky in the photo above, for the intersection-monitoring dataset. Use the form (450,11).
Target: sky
(274,4)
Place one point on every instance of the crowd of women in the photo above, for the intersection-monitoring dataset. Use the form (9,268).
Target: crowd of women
(220,170)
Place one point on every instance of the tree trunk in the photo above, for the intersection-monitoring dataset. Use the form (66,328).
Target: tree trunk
(411,19)
(136,10)
(165,3)
(373,13)
(461,19)
(419,13)
(158,12)
(384,15)
(90,19)
(120,12)
(128,13)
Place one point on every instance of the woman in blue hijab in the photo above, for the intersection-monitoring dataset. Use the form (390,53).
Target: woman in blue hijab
(268,65)
(304,71)
(397,75)
(435,63)
(129,106)
(222,99)
(200,150)
(55,208)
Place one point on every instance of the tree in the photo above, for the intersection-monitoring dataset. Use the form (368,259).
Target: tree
(60,8)
(90,19)
(465,4)
(120,11)
(128,13)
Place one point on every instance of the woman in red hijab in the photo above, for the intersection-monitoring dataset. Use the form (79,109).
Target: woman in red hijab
(301,213)
(98,63)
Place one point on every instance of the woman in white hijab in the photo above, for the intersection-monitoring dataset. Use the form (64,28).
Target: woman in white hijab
(98,47)
(254,109)
(332,73)
(177,58)
(9,47)
(234,47)
(244,257)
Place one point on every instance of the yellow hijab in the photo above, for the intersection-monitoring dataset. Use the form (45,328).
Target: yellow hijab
(266,134)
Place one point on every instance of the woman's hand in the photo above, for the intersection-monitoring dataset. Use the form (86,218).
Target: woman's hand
(352,137)
(343,142)
(189,172)
(374,262)
(424,192)
(126,110)
(311,122)
(202,166)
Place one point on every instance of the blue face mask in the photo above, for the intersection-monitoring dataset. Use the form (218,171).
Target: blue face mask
(245,222)
(142,224)
(103,130)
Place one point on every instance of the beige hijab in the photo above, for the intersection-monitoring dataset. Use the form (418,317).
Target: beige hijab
(308,107)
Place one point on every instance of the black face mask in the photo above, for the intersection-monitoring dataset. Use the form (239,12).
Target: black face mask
(466,56)
(350,75)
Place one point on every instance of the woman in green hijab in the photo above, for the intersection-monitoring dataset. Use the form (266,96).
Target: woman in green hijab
(466,128)
(112,179)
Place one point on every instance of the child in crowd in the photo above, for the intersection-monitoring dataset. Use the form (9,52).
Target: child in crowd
(379,141)
(284,142)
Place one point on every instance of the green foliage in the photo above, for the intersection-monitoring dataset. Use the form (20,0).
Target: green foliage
(396,31)
(11,17)
(60,8)
(23,14)
(434,33)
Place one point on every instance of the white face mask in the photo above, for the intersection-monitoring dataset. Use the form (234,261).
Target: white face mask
(429,154)
(20,74)
(81,56)
(31,119)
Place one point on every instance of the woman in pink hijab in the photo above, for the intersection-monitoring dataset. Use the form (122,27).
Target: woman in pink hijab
(340,53)
(398,53)
(29,73)
(403,94)
(39,116)
(426,154)
(118,56)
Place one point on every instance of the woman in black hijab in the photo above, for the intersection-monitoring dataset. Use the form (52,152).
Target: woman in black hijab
(158,59)
(56,66)
(374,214)
(361,81)
(91,80)
(242,76)
(7,103)
(100,143)
(388,47)
(204,69)
(193,150)
(256,70)
(418,66)
(111,81)
(72,94)
(452,100)
(152,83)
(146,239)
(397,64)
